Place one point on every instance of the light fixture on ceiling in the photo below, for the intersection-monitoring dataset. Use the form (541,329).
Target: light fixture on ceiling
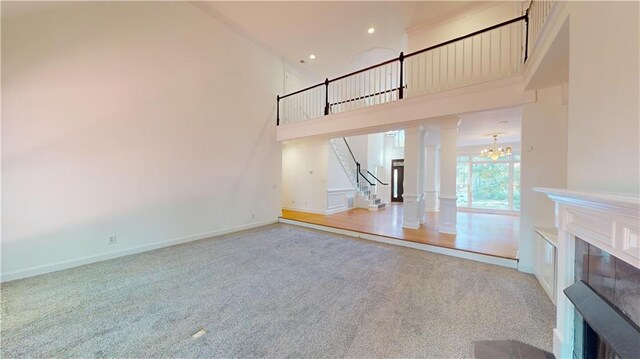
(371,30)
(495,152)
(312,57)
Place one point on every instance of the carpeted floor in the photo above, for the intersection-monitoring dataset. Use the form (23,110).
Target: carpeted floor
(274,291)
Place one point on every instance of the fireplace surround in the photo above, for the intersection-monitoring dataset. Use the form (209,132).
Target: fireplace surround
(607,227)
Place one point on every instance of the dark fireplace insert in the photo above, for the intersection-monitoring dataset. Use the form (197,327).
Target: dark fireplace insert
(606,296)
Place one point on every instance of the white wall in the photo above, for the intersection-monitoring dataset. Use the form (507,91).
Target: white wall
(304,175)
(360,147)
(375,151)
(604,97)
(341,192)
(543,164)
(148,121)
(450,28)
(337,178)
(313,179)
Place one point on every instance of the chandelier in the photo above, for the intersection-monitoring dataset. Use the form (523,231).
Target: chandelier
(495,152)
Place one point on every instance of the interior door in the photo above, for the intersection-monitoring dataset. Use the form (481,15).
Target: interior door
(397,180)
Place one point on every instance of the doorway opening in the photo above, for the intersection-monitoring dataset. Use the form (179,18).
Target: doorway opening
(397,180)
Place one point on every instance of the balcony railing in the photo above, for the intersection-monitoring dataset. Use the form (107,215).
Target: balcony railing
(538,12)
(493,53)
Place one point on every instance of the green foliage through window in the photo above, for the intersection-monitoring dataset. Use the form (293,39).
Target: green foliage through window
(488,184)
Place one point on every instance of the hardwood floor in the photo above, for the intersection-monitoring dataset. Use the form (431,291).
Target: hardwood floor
(491,234)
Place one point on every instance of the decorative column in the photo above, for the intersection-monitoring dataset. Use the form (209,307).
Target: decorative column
(431,193)
(447,218)
(413,197)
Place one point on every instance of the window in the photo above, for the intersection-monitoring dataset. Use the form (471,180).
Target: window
(400,139)
(486,184)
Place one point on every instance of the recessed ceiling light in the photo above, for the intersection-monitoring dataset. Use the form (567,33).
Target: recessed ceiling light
(371,30)
(312,57)
(503,122)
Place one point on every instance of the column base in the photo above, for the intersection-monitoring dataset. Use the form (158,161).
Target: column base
(412,216)
(448,218)
(431,201)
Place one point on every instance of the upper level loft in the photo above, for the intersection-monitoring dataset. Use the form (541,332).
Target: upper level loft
(497,52)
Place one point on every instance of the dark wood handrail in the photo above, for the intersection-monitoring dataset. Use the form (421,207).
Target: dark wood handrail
(376,178)
(303,90)
(366,179)
(351,152)
(400,59)
(365,96)
(505,23)
(365,69)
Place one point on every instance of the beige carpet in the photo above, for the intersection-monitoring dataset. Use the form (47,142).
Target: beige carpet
(276,291)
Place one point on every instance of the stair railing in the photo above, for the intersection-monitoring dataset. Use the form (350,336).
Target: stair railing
(376,178)
(422,72)
(358,169)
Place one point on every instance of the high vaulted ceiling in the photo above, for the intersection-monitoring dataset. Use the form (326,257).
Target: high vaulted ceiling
(336,32)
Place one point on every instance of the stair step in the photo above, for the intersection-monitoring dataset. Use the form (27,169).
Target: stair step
(375,207)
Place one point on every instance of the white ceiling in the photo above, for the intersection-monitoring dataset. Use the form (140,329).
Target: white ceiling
(336,32)
(477,128)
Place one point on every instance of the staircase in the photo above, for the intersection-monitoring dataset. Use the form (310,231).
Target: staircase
(365,188)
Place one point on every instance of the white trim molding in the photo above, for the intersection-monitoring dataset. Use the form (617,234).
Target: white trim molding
(483,258)
(338,200)
(610,222)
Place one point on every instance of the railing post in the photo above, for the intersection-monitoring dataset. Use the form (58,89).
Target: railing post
(278,110)
(401,90)
(326,96)
(358,174)
(526,36)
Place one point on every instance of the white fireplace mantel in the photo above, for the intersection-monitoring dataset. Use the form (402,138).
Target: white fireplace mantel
(607,221)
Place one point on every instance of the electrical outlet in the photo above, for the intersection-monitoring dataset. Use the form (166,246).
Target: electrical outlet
(112,240)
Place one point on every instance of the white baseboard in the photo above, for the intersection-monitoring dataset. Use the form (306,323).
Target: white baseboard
(303,209)
(76,262)
(339,209)
(504,262)
(489,211)
(332,210)
(526,269)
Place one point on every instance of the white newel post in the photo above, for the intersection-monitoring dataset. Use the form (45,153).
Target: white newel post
(431,193)
(448,156)
(609,222)
(413,197)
